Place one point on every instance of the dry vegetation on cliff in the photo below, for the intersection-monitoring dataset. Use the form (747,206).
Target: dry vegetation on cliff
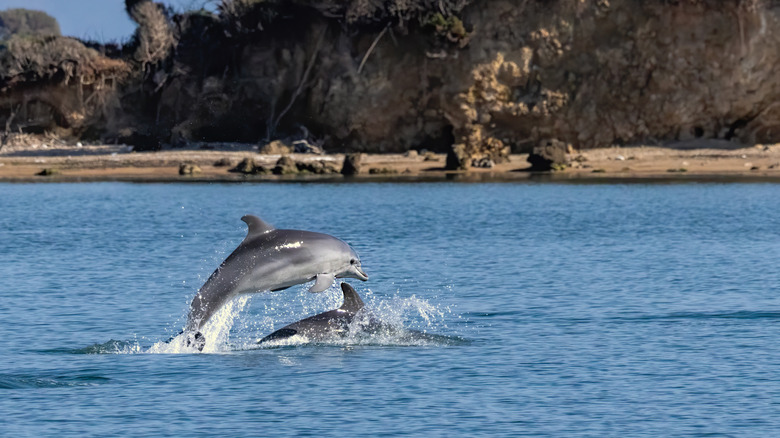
(477,79)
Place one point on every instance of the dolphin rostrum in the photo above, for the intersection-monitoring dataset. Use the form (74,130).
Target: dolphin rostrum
(325,325)
(271,259)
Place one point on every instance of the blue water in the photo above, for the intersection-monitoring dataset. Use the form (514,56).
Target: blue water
(564,310)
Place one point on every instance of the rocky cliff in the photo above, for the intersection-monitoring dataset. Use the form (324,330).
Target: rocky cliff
(480,78)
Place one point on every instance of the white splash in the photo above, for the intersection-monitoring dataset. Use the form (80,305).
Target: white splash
(216,331)
(237,326)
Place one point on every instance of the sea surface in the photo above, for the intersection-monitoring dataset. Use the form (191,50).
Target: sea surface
(558,309)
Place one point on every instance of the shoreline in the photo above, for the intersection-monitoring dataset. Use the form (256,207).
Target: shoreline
(610,165)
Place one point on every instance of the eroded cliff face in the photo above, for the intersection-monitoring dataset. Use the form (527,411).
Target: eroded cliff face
(482,79)
(589,73)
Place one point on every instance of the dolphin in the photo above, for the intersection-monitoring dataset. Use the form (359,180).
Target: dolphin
(271,259)
(338,322)
(325,325)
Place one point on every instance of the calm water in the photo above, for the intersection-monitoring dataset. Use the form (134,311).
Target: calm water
(566,310)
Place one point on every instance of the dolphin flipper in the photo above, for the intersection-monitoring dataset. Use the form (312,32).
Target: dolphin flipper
(323,282)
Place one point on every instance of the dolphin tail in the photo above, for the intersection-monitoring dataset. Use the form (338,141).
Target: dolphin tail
(352,301)
(196,340)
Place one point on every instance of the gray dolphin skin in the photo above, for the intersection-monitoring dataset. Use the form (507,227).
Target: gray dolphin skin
(271,259)
(335,323)
(325,325)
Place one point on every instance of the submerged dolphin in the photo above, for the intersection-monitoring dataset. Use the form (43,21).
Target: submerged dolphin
(325,325)
(338,323)
(271,259)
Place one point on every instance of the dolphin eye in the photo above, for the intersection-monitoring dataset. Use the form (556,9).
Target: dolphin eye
(352,262)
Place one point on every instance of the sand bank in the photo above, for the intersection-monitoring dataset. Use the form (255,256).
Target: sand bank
(70,163)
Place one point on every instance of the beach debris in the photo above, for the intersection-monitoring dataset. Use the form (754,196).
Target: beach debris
(304,147)
(484,163)
(620,158)
(411,153)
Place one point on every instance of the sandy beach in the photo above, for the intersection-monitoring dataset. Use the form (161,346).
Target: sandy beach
(71,163)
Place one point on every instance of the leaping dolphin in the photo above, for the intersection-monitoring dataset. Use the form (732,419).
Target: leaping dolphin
(271,259)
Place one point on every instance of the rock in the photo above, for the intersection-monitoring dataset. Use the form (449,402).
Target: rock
(549,155)
(285,166)
(411,154)
(483,163)
(276,147)
(49,171)
(457,158)
(475,143)
(247,166)
(430,156)
(319,167)
(189,169)
(382,171)
(352,164)
(304,147)
(223,162)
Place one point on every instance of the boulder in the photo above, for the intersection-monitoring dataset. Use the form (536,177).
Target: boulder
(549,155)
(276,147)
(223,162)
(285,166)
(319,167)
(382,171)
(49,171)
(189,169)
(352,164)
(458,158)
(248,166)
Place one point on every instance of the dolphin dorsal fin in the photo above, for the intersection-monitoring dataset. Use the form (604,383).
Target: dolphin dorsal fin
(352,301)
(256,226)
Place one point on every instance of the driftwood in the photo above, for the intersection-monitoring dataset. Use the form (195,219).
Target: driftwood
(301,83)
(371,48)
